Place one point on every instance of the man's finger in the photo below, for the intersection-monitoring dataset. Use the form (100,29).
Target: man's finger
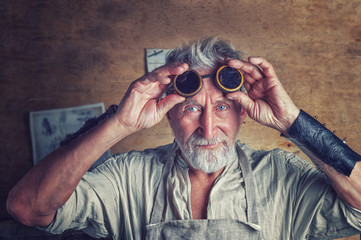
(246,67)
(247,86)
(171,69)
(267,68)
(162,73)
(243,99)
(249,79)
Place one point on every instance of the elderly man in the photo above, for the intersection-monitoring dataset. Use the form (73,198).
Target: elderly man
(205,185)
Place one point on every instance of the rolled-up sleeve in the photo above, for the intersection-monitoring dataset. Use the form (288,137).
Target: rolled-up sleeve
(335,219)
(87,208)
(114,199)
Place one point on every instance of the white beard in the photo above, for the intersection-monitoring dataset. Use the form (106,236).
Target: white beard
(207,160)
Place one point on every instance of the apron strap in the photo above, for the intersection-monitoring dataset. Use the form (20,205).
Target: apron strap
(250,186)
(158,209)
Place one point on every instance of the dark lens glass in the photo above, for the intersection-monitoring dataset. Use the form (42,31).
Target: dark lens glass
(188,82)
(230,78)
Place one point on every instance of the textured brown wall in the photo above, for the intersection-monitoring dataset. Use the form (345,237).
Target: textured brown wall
(67,53)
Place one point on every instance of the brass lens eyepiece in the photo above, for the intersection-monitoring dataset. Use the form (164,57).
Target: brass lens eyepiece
(229,79)
(190,82)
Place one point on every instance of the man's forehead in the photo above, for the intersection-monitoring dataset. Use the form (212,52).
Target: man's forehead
(215,98)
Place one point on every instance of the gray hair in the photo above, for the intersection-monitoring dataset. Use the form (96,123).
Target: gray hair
(204,53)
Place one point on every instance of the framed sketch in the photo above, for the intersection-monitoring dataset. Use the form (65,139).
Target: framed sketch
(156,57)
(49,128)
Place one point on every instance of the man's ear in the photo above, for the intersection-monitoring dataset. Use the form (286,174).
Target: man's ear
(243,115)
(168,114)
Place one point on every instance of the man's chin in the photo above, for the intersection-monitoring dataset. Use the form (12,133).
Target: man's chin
(207,162)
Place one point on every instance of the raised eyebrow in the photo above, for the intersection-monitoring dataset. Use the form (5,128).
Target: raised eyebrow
(217,102)
(192,102)
(223,101)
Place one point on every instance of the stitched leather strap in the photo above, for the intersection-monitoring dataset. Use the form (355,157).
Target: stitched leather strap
(90,124)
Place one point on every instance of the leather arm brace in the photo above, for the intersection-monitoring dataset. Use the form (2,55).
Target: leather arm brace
(317,141)
(90,124)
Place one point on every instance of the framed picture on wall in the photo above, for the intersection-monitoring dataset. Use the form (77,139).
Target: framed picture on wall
(155,57)
(49,128)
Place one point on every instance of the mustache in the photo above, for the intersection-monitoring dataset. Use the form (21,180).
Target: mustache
(198,139)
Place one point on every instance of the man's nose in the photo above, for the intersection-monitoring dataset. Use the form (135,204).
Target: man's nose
(207,123)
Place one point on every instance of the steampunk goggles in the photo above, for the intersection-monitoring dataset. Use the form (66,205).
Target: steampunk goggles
(190,82)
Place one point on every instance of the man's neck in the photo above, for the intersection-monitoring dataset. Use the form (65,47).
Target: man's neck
(203,177)
(201,186)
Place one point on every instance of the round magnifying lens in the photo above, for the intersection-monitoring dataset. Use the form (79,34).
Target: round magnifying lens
(188,83)
(229,79)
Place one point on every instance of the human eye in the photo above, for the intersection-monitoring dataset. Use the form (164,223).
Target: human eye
(222,107)
(192,109)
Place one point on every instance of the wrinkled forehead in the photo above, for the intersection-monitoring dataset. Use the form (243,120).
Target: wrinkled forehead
(213,97)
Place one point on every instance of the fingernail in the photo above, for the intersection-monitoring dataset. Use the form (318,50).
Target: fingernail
(184,66)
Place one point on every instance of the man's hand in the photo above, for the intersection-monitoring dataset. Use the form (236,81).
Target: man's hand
(142,106)
(267,101)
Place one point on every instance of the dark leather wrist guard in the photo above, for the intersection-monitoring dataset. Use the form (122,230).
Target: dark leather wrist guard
(313,137)
(89,125)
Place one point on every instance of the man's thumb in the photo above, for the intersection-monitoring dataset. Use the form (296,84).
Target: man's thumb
(168,102)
